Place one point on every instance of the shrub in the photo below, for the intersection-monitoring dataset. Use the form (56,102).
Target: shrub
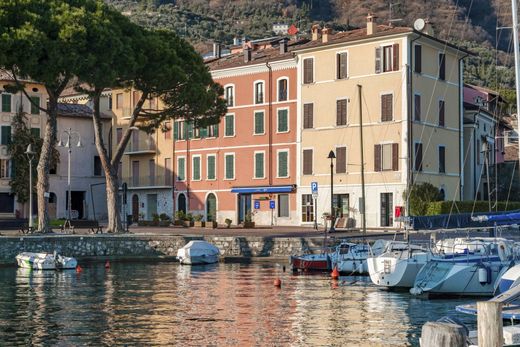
(198,217)
(155,217)
(179,215)
(421,196)
(447,207)
(164,217)
(228,222)
(189,217)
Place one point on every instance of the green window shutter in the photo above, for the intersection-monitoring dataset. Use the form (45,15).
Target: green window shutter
(35,132)
(282,164)
(259,165)
(230,131)
(196,168)
(6,135)
(283,125)
(203,132)
(215,132)
(34,109)
(189,130)
(230,163)
(181,168)
(211,168)
(176,130)
(259,122)
(6,102)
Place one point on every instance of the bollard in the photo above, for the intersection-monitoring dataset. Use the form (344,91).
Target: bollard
(440,334)
(489,320)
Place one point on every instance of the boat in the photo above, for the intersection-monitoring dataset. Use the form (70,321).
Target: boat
(312,262)
(510,279)
(469,266)
(198,252)
(398,265)
(45,261)
(351,258)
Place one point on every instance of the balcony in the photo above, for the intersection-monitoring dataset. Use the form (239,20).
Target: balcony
(148,182)
(141,147)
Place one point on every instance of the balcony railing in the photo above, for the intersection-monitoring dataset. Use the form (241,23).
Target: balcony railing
(141,146)
(148,181)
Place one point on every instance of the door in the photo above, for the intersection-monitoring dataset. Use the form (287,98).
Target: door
(76,204)
(151,205)
(244,206)
(182,203)
(135,208)
(387,209)
(341,204)
(211,208)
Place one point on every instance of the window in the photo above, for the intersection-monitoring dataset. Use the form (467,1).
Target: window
(135,97)
(119,134)
(308,113)
(6,102)
(196,168)
(387,58)
(307,161)
(417,58)
(341,65)
(417,107)
(259,165)
(441,113)
(119,100)
(259,92)
(387,107)
(35,105)
(5,135)
(110,104)
(307,208)
(181,169)
(442,66)
(282,89)
(5,168)
(213,130)
(283,120)
(229,122)
(35,132)
(442,159)
(168,132)
(179,130)
(283,162)
(341,160)
(135,173)
(229,96)
(259,122)
(97,166)
(386,157)
(308,70)
(387,209)
(211,167)
(151,172)
(153,103)
(418,157)
(341,112)
(229,166)
(283,205)
(167,171)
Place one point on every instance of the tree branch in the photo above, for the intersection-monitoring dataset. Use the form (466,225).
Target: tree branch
(22,88)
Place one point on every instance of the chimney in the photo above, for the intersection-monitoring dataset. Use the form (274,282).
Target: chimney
(428,28)
(217,50)
(247,54)
(371,24)
(316,31)
(325,34)
(283,45)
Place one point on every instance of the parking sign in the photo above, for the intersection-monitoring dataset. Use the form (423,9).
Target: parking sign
(272,204)
(257,204)
(314,189)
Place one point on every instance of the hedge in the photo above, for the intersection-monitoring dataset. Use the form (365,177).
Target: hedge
(445,207)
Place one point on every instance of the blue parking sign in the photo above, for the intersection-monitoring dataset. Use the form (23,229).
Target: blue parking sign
(314,187)
(257,204)
(272,204)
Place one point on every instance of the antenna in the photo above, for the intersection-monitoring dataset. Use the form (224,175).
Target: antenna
(391,20)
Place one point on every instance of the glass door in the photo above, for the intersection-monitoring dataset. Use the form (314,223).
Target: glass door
(244,206)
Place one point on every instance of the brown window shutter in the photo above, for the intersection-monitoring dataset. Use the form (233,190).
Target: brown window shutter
(307,161)
(378,59)
(341,112)
(441,113)
(417,107)
(308,70)
(341,160)
(338,66)
(377,158)
(308,110)
(395,156)
(395,51)
(418,59)
(386,107)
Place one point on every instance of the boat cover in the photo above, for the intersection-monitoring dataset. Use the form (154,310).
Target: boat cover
(198,248)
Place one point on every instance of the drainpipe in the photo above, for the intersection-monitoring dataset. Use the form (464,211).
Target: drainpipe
(270,124)
(461,128)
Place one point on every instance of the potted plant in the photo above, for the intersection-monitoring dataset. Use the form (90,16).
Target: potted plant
(141,222)
(248,220)
(211,224)
(155,220)
(228,222)
(164,220)
(180,217)
(189,219)
(198,222)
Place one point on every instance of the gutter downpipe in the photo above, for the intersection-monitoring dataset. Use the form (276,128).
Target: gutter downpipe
(270,112)
(461,127)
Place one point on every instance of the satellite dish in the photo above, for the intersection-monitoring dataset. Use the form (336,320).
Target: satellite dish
(419,24)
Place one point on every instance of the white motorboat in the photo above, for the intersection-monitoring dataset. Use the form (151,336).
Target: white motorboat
(398,265)
(352,257)
(468,266)
(45,261)
(510,279)
(198,252)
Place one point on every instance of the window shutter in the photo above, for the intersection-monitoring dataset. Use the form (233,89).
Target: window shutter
(395,60)
(6,102)
(282,121)
(386,107)
(229,167)
(211,167)
(418,59)
(189,129)
(175,130)
(307,162)
(442,66)
(417,107)
(259,122)
(377,158)
(180,167)
(395,156)
(282,164)
(308,70)
(341,160)
(341,112)
(215,130)
(203,132)
(441,113)
(6,135)
(378,59)
(418,157)
(341,65)
(442,160)
(229,126)
(259,165)
(196,168)
(308,110)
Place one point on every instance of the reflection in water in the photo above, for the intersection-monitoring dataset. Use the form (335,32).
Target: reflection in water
(219,304)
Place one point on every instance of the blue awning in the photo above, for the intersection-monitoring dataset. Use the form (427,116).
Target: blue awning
(260,190)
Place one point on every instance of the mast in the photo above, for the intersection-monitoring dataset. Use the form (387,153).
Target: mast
(514,11)
(364,222)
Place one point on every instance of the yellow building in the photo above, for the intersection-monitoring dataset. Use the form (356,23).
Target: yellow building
(408,84)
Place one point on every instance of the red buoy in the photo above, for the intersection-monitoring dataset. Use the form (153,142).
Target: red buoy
(335,273)
(277,283)
(79,269)
(107,265)
(335,285)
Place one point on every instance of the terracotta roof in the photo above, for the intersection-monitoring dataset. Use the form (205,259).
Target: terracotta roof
(7,76)
(77,110)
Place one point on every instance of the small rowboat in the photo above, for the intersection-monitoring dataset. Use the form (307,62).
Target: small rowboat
(45,261)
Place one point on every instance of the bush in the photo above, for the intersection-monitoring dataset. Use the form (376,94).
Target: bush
(445,207)
(155,217)
(164,217)
(189,217)
(179,215)
(198,217)
(420,197)
(228,222)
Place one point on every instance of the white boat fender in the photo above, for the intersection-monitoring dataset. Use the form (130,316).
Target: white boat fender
(484,275)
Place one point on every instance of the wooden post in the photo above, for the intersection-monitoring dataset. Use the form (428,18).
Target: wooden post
(437,334)
(490,333)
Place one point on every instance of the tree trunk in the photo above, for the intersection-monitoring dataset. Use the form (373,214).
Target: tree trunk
(114,216)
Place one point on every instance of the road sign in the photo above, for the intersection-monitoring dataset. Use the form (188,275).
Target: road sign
(272,204)
(257,205)
(314,187)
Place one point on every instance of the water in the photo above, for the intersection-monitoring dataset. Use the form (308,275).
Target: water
(218,305)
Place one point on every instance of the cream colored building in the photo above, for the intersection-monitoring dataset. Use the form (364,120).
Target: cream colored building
(409,86)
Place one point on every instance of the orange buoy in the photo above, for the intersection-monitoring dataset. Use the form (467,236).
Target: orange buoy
(79,269)
(335,273)
(277,282)
(335,285)
(107,265)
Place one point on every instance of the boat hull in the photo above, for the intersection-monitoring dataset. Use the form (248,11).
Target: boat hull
(311,262)
(45,261)
(393,272)
(199,260)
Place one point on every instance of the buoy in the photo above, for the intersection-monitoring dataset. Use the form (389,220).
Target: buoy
(335,285)
(335,273)
(79,269)
(107,265)
(277,282)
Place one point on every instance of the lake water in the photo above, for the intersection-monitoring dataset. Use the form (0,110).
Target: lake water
(220,305)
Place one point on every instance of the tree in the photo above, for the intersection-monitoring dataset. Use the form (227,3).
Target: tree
(44,41)
(420,196)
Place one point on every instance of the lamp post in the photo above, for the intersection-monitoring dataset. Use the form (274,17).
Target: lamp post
(70,135)
(332,156)
(30,155)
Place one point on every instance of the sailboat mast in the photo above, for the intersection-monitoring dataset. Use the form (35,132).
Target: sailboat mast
(364,223)
(514,11)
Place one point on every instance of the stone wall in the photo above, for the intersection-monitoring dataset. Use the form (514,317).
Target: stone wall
(150,247)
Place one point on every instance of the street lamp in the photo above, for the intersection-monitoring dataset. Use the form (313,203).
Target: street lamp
(332,156)
(30,155)
(71,136)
